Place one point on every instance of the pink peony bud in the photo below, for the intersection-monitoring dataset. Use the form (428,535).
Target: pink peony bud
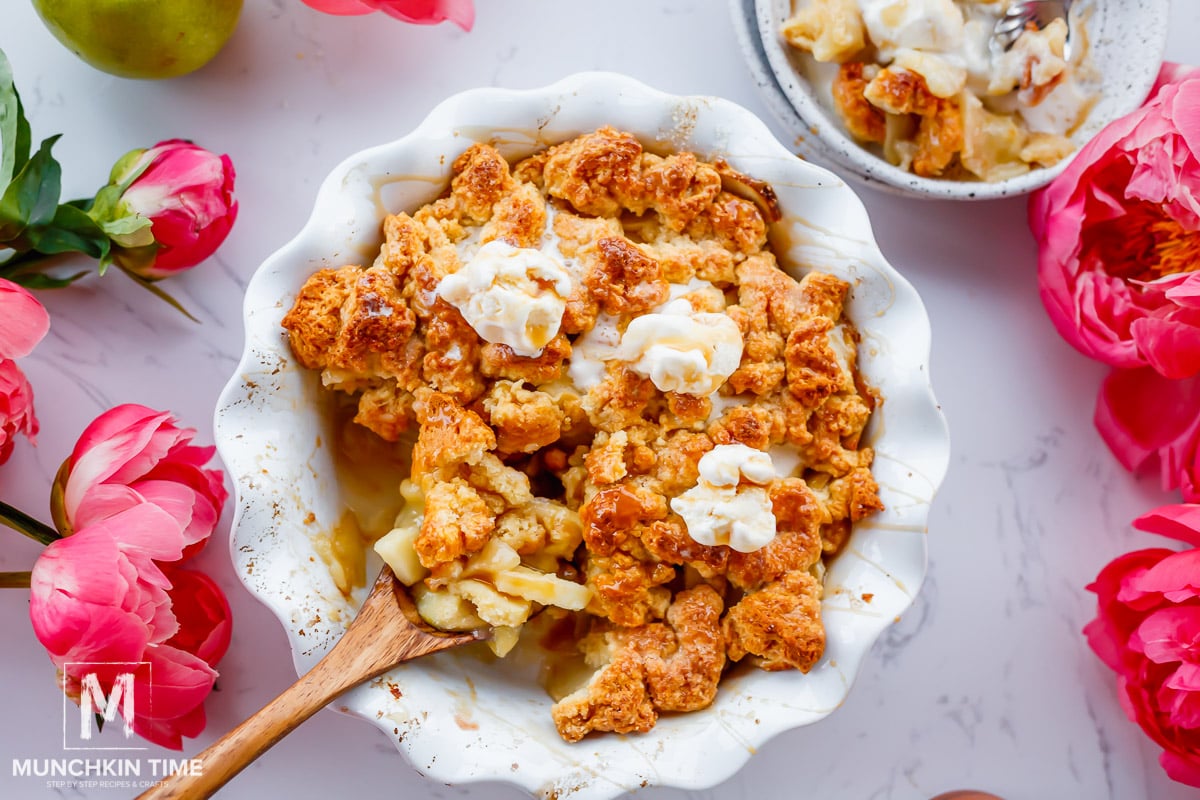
(420,12)
(23,320)
(23,323)
(184,191)
(131,455)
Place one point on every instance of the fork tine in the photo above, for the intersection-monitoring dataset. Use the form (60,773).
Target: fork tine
(1012,24)
(1039,12)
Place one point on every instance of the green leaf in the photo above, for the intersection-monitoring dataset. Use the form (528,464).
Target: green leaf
(71,231)
(131,231)
(24,139)
(38,280)
(14,128)
(31,200)
(19,261)
(128,169)
(135,260)
(104,204)
(159,293)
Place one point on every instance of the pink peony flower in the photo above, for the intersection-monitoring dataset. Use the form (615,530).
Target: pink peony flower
(1149,421)
(202,611)
(23,323)
(132,455)
(1119,236)
(101,597)
(421,12)
(16,408)
(184,191)
(1147,630)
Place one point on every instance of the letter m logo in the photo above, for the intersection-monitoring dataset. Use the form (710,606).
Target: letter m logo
(92,701)
(96,707)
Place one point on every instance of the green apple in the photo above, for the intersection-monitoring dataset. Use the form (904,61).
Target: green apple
(142,38)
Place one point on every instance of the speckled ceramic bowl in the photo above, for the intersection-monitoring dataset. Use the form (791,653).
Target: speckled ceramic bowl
(1128,38)
(459,716)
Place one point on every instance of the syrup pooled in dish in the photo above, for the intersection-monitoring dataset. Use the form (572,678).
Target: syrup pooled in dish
(921,80)
(625,416)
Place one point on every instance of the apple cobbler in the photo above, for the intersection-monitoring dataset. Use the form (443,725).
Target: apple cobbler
(921,80)
(624,416)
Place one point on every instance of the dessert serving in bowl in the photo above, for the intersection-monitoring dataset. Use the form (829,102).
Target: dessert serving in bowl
(614,374)
(967,99)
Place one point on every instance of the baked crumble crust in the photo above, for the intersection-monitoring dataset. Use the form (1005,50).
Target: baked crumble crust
(537,490)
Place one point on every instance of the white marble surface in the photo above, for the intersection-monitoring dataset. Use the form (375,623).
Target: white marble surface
(987,683)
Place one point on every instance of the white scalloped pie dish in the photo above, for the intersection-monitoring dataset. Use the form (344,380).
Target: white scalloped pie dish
(459,717)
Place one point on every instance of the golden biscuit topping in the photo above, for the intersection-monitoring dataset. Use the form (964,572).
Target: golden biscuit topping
(622,412)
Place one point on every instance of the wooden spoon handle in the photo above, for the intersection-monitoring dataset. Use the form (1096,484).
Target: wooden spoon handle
(234,751)
(385,633)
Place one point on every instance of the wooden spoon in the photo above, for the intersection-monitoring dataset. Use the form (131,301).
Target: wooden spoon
(386,632)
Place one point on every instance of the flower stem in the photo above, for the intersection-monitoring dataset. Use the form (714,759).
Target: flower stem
(23,523)
(151,287)
(15,580)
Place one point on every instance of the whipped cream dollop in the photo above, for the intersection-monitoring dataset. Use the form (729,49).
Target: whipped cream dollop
(678,348)
(720,509)
(510,295)
(915,24)
(682,350)
(593,350)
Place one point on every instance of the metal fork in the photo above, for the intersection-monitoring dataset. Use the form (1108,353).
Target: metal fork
(1040,12)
